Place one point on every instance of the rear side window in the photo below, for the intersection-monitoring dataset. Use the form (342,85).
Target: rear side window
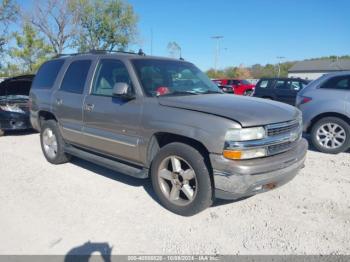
(263,84)
(338,82)
(294,85)
(75,77)
(46,76)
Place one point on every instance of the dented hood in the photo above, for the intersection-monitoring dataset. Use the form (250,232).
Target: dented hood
(248,111)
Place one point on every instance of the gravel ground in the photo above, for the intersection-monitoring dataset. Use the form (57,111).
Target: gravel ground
(80,207)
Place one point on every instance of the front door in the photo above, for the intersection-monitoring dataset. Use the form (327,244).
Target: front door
(111,124)
(68,100)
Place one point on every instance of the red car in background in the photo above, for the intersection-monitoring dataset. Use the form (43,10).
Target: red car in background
(235,86)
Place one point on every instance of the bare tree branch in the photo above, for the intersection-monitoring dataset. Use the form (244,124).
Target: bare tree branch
(55,21)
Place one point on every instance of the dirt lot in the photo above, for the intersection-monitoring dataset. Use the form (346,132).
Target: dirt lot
(48,209)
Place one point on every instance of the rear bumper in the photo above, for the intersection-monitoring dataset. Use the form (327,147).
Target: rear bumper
(237,179)
(14,121)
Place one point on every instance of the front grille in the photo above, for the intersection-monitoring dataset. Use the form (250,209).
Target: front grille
(280,129)
(280,148)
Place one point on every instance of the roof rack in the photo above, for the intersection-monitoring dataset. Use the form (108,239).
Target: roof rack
(97,51)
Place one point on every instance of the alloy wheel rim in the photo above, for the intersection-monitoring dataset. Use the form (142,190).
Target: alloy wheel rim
(177,180)
(331,135)
(50,143)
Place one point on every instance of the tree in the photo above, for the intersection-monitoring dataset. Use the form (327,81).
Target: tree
(55,20)
(104,24)
(174,49)
(215,74)
(8,13)
(31,50)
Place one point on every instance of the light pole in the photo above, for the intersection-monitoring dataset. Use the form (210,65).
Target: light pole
(216,56)
(279,64)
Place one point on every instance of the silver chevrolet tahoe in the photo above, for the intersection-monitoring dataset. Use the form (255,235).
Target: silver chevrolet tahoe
(163,118)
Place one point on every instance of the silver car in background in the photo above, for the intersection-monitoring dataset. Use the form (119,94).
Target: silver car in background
(325,104)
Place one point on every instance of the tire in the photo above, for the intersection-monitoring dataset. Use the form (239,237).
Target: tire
(190,161)
(326,146)
(248,92)
(58,156)
(2,132)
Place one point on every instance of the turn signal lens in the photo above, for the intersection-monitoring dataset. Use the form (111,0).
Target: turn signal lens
(232,154)
(244,154)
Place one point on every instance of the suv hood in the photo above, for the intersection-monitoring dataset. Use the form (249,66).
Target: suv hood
(248,111)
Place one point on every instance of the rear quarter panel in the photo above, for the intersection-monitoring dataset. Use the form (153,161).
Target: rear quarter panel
(324,101)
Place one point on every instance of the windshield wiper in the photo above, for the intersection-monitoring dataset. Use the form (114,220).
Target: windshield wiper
(211,92)
(180,93)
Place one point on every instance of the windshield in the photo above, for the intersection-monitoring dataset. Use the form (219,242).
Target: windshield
(162,77)
(245,82)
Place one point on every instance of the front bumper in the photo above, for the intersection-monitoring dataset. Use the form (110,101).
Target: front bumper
(14,121)
(238,179)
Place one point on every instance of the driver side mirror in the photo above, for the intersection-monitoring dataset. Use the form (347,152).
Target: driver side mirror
(122,90)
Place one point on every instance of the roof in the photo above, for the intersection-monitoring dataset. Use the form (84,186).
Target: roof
(127,55)
(322,65)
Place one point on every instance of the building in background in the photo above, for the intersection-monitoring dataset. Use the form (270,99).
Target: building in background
(313,69)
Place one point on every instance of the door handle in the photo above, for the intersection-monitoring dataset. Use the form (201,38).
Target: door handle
(59,101)
(89,107)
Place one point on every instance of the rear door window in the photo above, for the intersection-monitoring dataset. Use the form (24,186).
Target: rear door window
(338,82)
(75,77)
(46,76)
(281,84)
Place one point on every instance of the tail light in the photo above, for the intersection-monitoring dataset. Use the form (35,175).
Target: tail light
(305,99)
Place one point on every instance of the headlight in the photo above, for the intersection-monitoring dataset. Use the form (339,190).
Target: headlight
(241,135)
(245,134)
(12,108)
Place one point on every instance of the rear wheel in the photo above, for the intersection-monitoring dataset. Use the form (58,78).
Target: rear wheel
(248,92)
(331,135)
(52,143)
(181,179)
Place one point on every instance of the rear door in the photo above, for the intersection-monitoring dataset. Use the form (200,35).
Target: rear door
(68,100)
(286,90)
(338,89)
(112,124)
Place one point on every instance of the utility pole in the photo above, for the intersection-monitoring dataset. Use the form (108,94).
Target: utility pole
(217,38)
(151,41)
(279,64)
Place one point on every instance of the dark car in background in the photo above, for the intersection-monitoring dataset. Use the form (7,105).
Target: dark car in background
(235,86)
(14,103)
(280,89)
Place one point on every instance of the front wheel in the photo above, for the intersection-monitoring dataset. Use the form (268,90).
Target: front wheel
(331,135)
(181,179)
